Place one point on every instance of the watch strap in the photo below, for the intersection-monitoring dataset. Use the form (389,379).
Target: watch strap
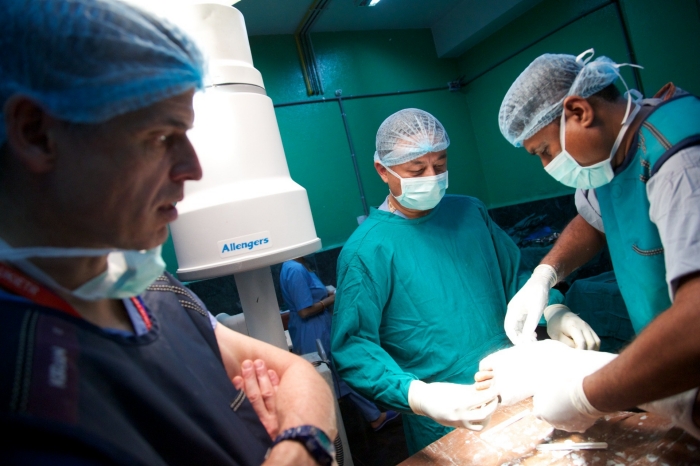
(316,442)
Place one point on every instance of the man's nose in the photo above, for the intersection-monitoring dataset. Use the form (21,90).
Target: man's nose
(187,166)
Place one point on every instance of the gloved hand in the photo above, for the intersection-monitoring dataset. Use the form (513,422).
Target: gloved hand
(561,401)
(677,407)
(452,404)
(564,405)
(568,328)
(516,373)
(526,307)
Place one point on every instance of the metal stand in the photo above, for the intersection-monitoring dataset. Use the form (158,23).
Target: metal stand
(260,308)
(342,446)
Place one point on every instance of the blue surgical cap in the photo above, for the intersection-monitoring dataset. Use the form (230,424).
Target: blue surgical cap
(408,134)
(535,99)
(86,61)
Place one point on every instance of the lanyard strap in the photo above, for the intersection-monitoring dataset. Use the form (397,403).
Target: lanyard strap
(141,308)
(18,283)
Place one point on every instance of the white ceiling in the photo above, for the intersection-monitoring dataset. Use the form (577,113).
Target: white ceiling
(457,25)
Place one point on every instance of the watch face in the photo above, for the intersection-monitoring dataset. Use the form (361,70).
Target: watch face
(314,440)
(323,440)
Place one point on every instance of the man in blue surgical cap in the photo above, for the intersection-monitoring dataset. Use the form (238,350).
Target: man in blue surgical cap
(104,359)
(635,164)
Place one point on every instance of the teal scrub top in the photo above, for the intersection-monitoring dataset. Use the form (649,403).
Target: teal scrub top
(422,299)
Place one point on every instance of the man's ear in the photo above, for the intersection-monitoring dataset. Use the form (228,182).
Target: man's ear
(29,133)
(580,110)
(381,169)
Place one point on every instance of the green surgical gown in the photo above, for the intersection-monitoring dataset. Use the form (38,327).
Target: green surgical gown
(422,299)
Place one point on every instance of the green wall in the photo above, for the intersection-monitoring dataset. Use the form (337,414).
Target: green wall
(664,34)
(314,137)
(666,40)
(512,175)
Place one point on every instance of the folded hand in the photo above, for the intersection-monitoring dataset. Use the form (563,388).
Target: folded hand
(260,385)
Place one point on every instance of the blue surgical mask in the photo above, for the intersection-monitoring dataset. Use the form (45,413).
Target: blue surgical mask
(421,193)
(566,170)
(128,273)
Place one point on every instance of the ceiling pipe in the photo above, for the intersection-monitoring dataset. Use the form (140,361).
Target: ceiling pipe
(305,49)
(448,87)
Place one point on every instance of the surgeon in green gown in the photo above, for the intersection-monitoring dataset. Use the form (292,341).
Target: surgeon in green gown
(423,286)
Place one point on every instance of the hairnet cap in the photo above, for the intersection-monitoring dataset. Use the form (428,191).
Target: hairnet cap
(535,99)
(86,61)
(407,135)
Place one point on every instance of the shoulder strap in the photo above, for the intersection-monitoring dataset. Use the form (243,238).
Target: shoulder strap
(167,282)
(673,150)
(673,134)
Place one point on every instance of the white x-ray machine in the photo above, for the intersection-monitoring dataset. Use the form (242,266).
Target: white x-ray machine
(246,213)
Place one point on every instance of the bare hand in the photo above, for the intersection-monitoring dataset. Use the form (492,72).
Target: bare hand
(260,385)
(483,379)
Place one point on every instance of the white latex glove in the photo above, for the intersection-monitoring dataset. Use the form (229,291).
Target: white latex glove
(516,373)
(568,328)
(563,404)
(452,404)
(677,407)
(526,307)
(330,289)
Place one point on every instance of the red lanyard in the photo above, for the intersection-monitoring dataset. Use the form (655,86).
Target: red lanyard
(141,308)
(18,283)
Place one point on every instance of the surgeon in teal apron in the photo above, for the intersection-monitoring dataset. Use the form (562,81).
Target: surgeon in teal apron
(636,166)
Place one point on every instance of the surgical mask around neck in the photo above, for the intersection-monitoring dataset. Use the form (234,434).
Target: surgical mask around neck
(128,273)
(422,192)
(566,170)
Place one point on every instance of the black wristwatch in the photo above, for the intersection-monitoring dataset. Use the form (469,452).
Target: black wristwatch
(314,440)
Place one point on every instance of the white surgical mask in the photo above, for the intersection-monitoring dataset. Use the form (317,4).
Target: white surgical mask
(128,273)
(421,193)
(566,170)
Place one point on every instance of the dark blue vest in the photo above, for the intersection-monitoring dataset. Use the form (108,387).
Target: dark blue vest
(155,399)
